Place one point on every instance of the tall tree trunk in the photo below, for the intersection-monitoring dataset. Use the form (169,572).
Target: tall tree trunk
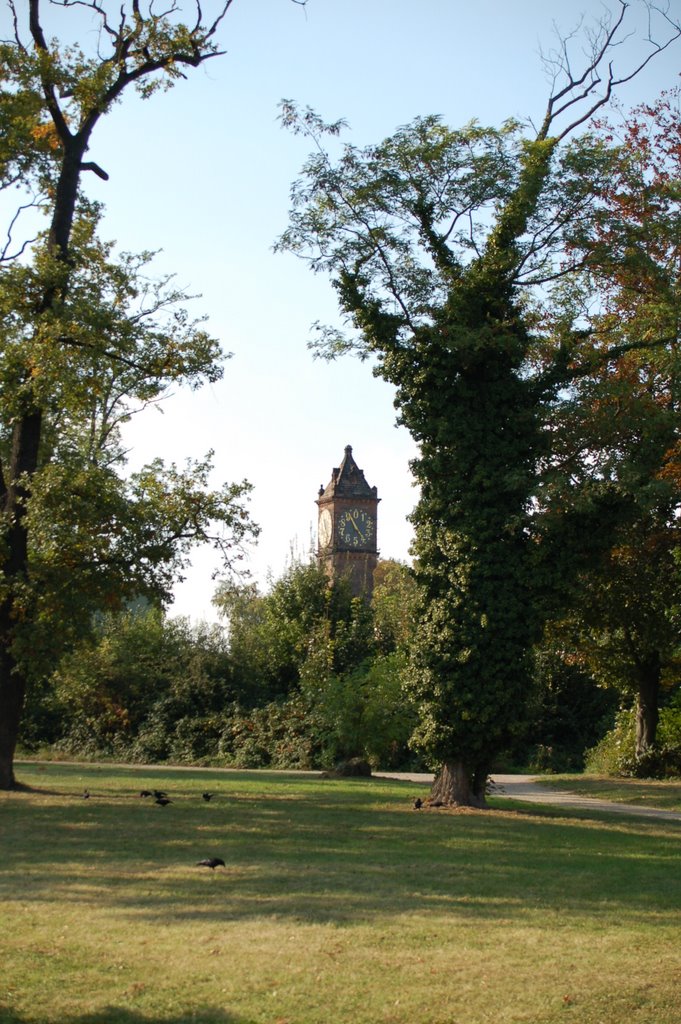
(16,484)
(460,785)
(647,703)
(14,568)
(12,692)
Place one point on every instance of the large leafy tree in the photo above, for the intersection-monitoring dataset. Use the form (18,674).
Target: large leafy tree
(435,241)
(619,427)
(87,337)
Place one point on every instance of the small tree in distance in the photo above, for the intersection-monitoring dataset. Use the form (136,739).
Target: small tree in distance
(435,240)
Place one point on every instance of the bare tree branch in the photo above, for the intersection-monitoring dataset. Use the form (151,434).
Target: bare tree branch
(15,22)
(5,255)
(600,69)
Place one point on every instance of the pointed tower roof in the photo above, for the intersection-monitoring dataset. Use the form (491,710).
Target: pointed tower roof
(347,481)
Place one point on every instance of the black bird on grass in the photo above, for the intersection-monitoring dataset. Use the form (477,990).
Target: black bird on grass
(146,792)
(207,796)
(159,794)
(418,803)
(162,801)
(211,862)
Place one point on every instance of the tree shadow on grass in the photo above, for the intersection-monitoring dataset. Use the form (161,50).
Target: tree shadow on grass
(124,1015)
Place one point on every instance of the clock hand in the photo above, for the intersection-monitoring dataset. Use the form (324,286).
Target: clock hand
(357,528)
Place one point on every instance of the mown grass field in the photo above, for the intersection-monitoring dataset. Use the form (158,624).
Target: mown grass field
(338,903)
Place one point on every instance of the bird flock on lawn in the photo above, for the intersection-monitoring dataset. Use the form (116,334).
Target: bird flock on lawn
(162,799)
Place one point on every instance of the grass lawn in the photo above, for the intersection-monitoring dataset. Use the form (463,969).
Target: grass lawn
(339,904)
(646,793)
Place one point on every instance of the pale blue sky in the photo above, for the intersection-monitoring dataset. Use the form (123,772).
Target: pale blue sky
(203,173)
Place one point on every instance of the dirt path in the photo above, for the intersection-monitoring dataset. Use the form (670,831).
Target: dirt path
(530,790)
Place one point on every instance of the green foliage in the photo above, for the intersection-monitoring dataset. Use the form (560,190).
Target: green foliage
(117,341)
(114,336)
(615,469)
(87,339)
(617,747)
(453,254)
(280,734)
(363,713)
(616,753)
(303,621)
(295,682)
(143,687)
(423,236)
(113,538)
(614,486)
(394,606)
(311,646)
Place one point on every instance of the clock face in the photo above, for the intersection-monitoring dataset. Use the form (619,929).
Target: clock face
(356,528)
(325,528)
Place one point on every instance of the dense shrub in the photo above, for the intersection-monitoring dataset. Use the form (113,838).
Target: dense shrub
(125,690)
(301,678)
(363,713)
(616,752)
(283,734)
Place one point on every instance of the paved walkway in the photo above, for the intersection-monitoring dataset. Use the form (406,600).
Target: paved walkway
(530,790)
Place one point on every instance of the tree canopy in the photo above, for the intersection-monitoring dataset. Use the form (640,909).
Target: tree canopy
(88,338)
(618,428)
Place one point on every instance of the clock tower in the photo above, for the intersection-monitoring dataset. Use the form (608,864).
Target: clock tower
(346,533)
